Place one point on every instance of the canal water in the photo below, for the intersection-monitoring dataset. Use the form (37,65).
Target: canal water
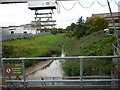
(53,69)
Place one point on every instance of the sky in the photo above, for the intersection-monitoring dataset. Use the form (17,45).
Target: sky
(18,14)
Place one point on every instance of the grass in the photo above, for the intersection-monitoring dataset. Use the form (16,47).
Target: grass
(31,47)
(95,44)
(37,46)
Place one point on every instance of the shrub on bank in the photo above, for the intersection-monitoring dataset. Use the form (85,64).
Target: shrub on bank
(38,46)
(95,44)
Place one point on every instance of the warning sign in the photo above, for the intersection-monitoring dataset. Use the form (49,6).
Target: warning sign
(13,69)
(8,70)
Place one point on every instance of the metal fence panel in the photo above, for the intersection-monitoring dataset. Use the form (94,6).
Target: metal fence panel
(81,81)
(5,37)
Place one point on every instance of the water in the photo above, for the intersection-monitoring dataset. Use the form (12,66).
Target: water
(53,69)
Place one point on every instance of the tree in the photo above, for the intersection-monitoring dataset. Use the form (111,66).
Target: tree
(54,31)
(79,30)
(95,24)
(76,30)
(70,29)
(61,30)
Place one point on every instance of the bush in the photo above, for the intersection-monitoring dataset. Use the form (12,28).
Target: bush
(76,30)
(95,24)
(45,45)
(95,44)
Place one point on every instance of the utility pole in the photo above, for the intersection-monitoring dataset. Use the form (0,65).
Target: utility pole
(111,16)
(115,32)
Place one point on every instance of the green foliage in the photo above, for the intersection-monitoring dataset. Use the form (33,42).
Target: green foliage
(95,24)
(56,31)
(61,30)
(69,29)
(76,30)
(7,50)
(45,45)
(97,67)
(95,44)
(71,67)
(82,28)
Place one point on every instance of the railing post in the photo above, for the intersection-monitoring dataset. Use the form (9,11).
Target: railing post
(81,73)
(3,75)
(23,71)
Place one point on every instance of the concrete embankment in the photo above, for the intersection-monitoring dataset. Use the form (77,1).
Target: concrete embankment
(38,66)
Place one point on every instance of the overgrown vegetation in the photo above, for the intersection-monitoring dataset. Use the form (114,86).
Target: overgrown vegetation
(57,30)
(87,39)
(82,28)
(82,39)
(76,30)
(45,45)
(95,24)
(95,44)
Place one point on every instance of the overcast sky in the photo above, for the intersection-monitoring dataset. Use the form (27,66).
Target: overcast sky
(17,14)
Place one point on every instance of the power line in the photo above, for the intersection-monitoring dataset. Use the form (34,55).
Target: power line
(70,8)
(102,4)
(116,3)
(58,5)
(88,6)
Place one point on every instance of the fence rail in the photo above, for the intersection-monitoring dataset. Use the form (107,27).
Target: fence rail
(80,81)
(55,58)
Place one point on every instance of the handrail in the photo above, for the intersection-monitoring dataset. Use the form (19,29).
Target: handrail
(64,81)
(55,58)
(81,80)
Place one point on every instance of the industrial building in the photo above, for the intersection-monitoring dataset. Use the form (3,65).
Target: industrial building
(19,29)
(35,27)
(107,16)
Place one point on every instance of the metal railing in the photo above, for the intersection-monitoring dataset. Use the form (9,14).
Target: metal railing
(79,81)
(15,36)
(5,37)
(116,53)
